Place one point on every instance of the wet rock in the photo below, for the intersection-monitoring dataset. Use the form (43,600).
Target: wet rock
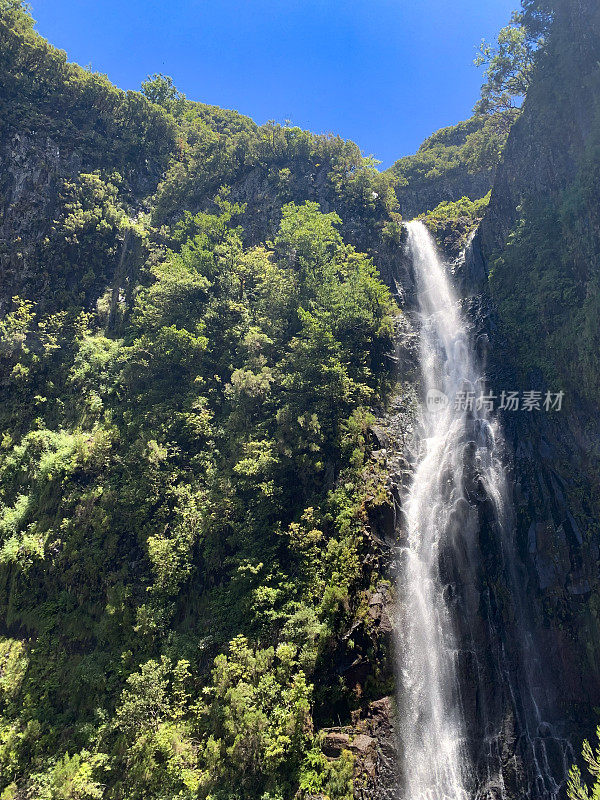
(474,487)
(361,744)
(382,518)
(550,553)
(371,740)
(572,529)
(483,434)
(380,604)
(376,752)
(546,572)
(482,346)
(469,453)
(532,539)
(544,730)
(376,599)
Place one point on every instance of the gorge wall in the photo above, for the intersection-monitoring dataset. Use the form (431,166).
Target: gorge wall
(531,272)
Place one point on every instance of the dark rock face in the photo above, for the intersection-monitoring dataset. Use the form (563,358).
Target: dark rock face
(32,166)
(546,143)
(426,179)
(371,740)
(415,200)
(34,169)
(364,662)
(557,537)
(553,459)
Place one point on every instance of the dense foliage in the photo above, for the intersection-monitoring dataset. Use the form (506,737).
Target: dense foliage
(577,789)
(135,141)
(184,458)
(267,167)
(187,381)
(454,162)
(197,479)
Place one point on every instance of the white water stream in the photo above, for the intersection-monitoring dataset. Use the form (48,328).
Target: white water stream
(439,517)
(459,475)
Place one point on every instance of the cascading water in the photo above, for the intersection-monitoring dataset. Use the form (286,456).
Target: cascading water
(432,729)
(450,632)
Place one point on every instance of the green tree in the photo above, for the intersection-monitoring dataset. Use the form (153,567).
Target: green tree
(72,778)
(508,67)
(256,716)
(160,89)
(18,13)
(537,16)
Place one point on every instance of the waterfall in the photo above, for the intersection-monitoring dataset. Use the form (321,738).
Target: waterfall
(431,725)
(451,634)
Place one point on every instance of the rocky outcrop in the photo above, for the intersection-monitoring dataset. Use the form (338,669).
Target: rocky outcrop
(33,168)
(57,122)
(417,199)
(544,149)
(36,169)
(371,741)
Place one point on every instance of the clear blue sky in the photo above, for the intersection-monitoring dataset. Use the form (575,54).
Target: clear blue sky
(385,73)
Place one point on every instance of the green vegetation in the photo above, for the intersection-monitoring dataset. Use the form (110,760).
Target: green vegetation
(576,789)
(550,311)
(453,223)
(198,479)
(537,16)
(158,152)
(286,163)
(160,89)
(455,162)
(509,66)
(184,458)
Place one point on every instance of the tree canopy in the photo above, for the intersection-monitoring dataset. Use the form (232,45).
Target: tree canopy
(508,67)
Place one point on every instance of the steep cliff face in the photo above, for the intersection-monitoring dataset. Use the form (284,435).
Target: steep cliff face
(59,122)
(548,143)
(534,262)
(161,324)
